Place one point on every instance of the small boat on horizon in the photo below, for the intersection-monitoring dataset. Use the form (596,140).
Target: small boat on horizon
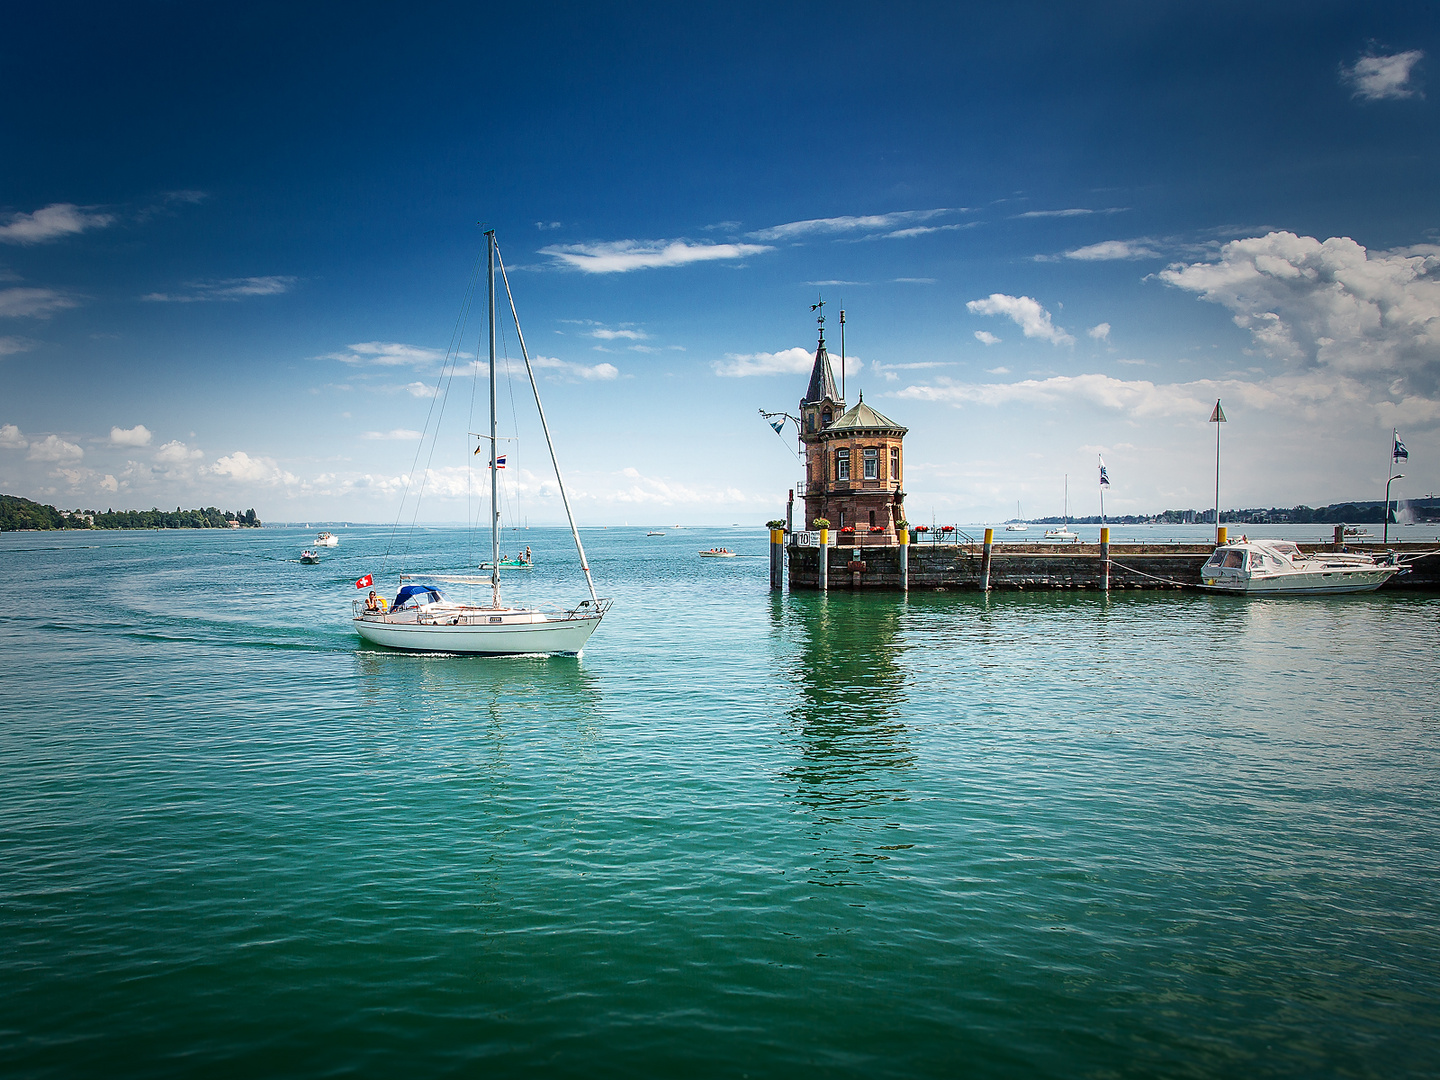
(718,553)
(655,533)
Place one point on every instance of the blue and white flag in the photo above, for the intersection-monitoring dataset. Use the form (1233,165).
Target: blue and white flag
(777,425)
(1104,476)
(1399,453)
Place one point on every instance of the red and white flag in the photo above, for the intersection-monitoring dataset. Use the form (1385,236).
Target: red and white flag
(365,582)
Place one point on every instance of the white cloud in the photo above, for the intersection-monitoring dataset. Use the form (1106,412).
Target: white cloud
(389,354)
(997,371)
(396,433)
(614,335)
(1071,212)
(592,372)
(108,483)
(986,338)
(1377,78)
(1026,313)
(11,438)
(139,435)
(619,256)
(870,223)
(227,289)
(419,389)
(10,345)
(53,448)
(51,223)
(33,303)
(177,453)
(1100,332)
(796,361)
(257,470)
(1331,305)
(1113,249)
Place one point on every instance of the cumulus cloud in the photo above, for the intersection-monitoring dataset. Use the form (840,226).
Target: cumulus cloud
(900,223)
(399,434)
(1026,313)
(227,289)
(592,372)
(33,303)
(51,223)
(1113,249)
(1378,78)
(177,453)
(1100,332)
(796,361)
(54,448)
(11,438)
(986,338)
(418,389)
(1331,305)
(139,435)
(619,256)
(252,470)
(388,354)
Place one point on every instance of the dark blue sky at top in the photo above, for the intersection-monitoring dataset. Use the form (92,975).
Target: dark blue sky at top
(353,147)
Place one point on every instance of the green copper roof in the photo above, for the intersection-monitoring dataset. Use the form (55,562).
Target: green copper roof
(863,418)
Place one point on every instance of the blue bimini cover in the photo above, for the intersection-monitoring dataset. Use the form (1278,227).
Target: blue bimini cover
(416,595)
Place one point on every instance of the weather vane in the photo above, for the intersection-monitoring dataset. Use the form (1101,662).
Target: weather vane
(819,306)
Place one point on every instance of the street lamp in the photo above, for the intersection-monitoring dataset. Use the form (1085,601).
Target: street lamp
(1398,476)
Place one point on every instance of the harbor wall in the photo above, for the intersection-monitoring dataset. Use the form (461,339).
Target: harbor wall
(1043,566)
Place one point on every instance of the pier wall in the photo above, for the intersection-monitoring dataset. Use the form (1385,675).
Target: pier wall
(1041,566)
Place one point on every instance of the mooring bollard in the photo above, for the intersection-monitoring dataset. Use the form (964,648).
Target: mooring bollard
(824,560)
(1222,536)
(904,560)
(1105,560)
(777,558)
(1339,537)
(985,561)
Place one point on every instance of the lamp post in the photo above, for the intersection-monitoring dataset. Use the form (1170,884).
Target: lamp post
(1398,476)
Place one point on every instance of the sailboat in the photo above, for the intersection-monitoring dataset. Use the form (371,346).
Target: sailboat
(1063,533)
(422,619)
(1017,526)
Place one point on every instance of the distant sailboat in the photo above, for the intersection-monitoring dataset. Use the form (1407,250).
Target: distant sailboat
(1063,533)
(1017,526)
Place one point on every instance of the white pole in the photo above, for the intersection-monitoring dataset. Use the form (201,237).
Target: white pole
(1217,476)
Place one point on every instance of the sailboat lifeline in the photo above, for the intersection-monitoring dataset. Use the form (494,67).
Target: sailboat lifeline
(421,619)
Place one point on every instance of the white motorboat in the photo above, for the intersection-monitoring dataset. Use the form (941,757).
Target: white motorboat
(1279,567)
(326,539)
(422,619)
(717,553)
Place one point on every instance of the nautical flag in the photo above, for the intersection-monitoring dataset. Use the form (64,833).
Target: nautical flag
(500,462)
(1104,476)
(365,582)
(777,425)
(1217,415)
(1399,453)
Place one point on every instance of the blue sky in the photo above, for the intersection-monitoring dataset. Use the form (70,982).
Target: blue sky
(234,243)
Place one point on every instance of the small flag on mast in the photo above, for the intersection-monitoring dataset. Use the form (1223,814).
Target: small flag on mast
(1104,476)
(500,462)
(1398,452)
(365,582)
(777,425)
(1217,415)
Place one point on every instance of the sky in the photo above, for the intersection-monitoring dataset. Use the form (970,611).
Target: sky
(237,242)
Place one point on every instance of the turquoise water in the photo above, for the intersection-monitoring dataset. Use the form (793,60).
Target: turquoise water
(744,834)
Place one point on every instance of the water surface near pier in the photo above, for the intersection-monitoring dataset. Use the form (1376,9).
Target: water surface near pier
(745,833)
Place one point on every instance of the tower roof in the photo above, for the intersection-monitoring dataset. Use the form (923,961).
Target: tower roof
(822,379)
(863,418)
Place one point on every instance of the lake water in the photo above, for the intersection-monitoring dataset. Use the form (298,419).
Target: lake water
(745,833)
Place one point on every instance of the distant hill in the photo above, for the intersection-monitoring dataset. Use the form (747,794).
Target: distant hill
(1362,512)
(17,513)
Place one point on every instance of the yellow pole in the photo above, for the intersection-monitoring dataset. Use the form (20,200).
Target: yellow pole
(1223,537)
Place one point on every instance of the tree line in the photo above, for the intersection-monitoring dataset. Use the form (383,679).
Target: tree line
(18,513)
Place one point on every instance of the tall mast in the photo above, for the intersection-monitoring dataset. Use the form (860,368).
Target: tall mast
(494,472)
(535,388)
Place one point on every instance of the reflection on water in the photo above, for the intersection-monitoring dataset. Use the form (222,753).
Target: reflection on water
(848,718)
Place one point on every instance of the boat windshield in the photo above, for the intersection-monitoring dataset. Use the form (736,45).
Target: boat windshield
(415,595)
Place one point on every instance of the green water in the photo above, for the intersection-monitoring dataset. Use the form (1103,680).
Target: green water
(744,834)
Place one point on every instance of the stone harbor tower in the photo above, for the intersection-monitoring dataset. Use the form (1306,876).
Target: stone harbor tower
(854,461)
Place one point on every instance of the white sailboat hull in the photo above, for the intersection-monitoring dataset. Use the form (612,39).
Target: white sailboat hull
(467,635)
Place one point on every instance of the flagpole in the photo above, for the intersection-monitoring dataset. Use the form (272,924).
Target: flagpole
(1217,417)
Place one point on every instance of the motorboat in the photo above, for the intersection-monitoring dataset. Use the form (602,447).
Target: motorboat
(326,539)
(422,619)
(1279,567)
(310,557)
(718,553)
(655,533)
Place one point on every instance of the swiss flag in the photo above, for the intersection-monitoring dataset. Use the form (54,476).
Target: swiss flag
(365,582)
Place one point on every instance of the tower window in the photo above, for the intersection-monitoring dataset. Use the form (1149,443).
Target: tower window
(872,464)
(825,418)
(894,463)
(809,421)
(842,464)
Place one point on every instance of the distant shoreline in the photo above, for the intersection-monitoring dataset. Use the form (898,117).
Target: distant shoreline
(19,514)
